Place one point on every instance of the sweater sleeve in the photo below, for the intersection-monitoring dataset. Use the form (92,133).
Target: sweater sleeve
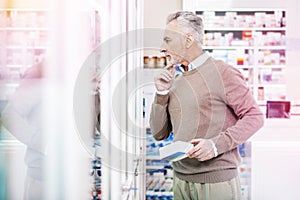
(249,116)
(160,123)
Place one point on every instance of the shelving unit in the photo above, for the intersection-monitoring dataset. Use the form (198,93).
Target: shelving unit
(253,41)
(159,173)
(24,39)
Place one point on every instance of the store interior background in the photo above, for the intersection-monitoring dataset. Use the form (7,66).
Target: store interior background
(275,148)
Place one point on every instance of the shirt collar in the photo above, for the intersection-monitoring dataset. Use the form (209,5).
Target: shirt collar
(195,63)
(198,61)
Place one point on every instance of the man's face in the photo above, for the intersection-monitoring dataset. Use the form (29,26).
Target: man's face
(173,43)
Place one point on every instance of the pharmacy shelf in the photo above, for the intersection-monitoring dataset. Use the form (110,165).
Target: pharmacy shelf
(228,47)
(24,37)
(17,66)
(276,85)
(271,47)
(264,45)
(154,167)
(271,66)
(24,47)
(24,9)
(243,66)
(152,158)
(244,28)
(24,29)
(245,47)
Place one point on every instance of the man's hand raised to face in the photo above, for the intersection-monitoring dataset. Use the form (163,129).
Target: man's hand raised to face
(164,80)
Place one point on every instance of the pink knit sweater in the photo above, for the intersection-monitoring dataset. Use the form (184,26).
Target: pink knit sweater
(211,101)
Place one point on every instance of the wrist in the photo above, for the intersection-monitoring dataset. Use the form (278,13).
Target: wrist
(214,148)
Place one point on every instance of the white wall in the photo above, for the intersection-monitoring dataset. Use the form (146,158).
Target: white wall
(156,12)
(275,170)
(275,160)
(155,15)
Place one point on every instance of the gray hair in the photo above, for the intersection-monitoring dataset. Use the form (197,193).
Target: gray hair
(190,22)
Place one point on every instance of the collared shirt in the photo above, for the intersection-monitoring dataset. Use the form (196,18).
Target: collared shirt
(195,63)
(198,61)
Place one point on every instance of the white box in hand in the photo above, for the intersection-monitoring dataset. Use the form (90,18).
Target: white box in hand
(175,151)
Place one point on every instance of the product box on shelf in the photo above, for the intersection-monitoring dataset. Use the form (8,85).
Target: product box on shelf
(159,184)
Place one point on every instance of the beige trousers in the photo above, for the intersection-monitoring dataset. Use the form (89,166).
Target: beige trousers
(228,190)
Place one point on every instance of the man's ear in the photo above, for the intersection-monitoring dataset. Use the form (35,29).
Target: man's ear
(189,40)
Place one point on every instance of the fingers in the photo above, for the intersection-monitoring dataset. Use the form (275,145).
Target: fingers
(171,69)
(205,157)
(164,80)
(197,151)
(202,150)
(196,141)
(166,75)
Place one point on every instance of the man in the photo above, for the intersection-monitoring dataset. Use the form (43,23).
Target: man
(206,102)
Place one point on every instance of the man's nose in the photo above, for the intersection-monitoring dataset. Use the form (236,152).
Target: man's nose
(163,48)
